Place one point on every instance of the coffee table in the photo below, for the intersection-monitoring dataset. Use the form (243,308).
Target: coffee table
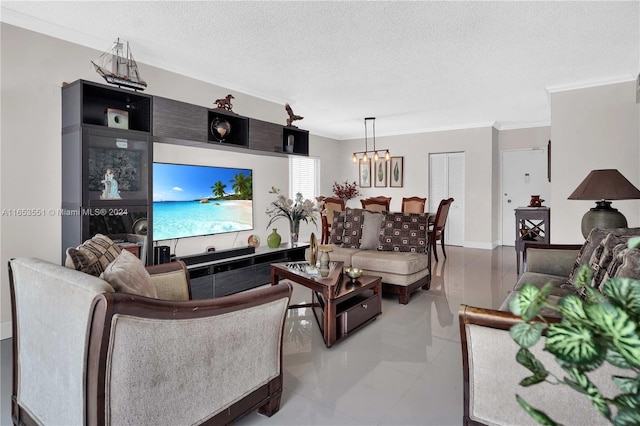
(340,306)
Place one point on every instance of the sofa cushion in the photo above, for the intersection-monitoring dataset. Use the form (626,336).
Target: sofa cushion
(127,274)
(404,232)
(352,228)
(593,240)
(337,228)
(93,256)
(401,263)
(371,230)
(342,254)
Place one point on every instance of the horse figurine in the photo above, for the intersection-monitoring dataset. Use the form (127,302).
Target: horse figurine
(292,116)
(225,103)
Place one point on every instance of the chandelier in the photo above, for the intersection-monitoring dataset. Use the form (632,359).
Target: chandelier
(376,155)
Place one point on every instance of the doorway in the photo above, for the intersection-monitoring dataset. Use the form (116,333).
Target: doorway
(524,173)
(446,180)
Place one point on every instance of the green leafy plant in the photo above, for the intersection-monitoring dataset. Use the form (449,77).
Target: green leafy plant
(602,328)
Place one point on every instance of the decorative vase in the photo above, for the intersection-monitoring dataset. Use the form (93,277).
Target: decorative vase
(294,228)
(273,240)
(324,263)
(289,146)
(536,201)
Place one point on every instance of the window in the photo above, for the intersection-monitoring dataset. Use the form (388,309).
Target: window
(304,177)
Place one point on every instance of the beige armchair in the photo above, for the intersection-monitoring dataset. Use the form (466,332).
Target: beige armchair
(84,354)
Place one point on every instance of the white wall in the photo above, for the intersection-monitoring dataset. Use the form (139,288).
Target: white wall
(480,147)
(33,67)
(591,128)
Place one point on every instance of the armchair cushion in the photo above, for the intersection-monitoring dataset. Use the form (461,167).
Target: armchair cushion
(127,274)
(404,232)
(93,256)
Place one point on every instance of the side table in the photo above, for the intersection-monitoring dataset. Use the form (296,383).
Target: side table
(533,225)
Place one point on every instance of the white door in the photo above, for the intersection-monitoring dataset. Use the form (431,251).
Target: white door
(446,180)
(524,173)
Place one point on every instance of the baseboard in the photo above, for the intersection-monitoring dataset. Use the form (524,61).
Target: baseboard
(6,331)
(479,245)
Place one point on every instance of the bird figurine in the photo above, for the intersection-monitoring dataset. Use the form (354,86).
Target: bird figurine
(292,116)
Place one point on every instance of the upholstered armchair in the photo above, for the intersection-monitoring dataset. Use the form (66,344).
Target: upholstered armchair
(86,354)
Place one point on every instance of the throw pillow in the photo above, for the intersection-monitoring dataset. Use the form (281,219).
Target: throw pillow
(593,240)
(602,257)
(618,258)
(127,274)
(93,256)
(337,228)
(371,230)
(404,232)
(352,228)
(630,267)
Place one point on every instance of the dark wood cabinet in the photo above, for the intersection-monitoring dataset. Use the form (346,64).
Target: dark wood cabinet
(232,275)
(265,136)
(106,163)
(533,225)
(179,120)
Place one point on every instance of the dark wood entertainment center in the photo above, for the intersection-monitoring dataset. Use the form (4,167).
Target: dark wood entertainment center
(87,137)
(226,272)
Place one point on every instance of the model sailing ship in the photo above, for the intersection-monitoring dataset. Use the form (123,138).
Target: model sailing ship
(118,67)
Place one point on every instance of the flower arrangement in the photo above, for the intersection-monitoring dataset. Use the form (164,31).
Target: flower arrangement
(346,190)
(294,210)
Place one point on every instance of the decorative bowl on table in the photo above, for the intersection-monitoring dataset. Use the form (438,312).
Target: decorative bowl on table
(353,273)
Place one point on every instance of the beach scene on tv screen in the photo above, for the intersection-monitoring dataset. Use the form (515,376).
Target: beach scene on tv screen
(190,200)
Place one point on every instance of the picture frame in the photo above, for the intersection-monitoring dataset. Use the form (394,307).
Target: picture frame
(364,173)
(396,172)
(380,173)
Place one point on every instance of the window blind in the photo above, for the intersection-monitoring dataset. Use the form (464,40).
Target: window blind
(304,177)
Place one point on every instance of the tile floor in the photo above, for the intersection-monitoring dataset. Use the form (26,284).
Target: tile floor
(405,368)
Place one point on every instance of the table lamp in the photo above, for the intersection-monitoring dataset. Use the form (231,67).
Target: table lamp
(604,185)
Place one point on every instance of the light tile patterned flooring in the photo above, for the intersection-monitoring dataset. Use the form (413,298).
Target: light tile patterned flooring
(405,368)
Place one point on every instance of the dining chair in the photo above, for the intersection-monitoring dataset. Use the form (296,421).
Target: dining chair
(413,204)
(436,229)
(376,204)
(331,205)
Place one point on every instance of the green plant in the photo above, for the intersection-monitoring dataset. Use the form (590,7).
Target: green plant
(602,328)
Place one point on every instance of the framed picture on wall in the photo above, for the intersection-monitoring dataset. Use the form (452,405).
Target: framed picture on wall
(396,172)
(365,173)
(380,173)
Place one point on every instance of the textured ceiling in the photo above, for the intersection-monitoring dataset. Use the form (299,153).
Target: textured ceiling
(415,66)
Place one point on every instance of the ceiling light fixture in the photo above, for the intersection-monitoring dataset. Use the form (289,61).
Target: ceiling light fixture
(376,155)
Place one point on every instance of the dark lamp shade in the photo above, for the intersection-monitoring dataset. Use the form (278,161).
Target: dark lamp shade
(607,184)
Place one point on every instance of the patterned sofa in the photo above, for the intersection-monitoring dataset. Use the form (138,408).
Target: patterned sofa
(491,373)
(393,246)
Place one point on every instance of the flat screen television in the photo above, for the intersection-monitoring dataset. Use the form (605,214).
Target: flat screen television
(191,201)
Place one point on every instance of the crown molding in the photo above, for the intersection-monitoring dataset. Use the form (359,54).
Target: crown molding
(523,125)
(589,83)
